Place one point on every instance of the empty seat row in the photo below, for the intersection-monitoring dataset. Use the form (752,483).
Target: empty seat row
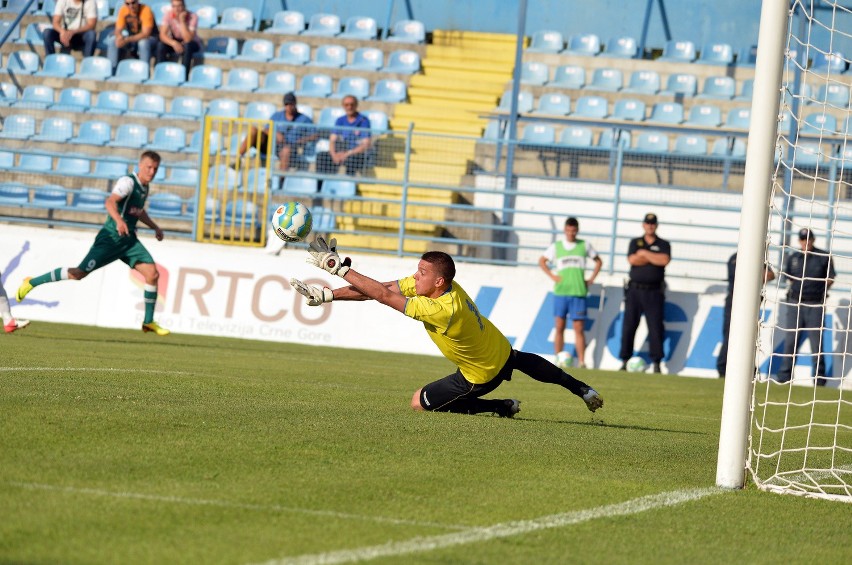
(292,22)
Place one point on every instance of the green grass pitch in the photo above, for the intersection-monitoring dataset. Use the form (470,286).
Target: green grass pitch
(122,447)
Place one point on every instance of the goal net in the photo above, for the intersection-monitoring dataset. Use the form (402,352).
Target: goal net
(800,435)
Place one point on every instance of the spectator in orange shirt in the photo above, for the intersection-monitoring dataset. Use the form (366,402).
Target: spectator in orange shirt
(135,33)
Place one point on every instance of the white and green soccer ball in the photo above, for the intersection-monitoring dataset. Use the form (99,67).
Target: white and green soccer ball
(636,365)
(564,360)
(292,221)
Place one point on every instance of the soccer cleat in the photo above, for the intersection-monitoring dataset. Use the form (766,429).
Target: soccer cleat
(657,368)
(592,399)
(509,408)
(623,366)
(156,328)
(16,325)
(24,289)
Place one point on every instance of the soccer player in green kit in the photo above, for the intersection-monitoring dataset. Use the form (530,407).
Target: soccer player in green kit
(117,239)
(482,354)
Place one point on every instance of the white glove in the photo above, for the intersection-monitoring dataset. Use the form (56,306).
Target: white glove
(325,257)
(315,295)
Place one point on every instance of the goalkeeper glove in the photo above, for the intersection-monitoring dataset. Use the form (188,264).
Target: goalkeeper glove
(325,257)
(315,296)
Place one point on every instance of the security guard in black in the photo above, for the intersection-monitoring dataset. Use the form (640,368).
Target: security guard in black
(645,292)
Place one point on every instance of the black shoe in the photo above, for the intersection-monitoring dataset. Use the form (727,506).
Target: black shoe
(591,397)
(821,381)
(623,366)
(657,368)
(508,408)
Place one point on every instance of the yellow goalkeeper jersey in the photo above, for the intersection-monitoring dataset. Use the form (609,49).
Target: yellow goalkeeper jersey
(463,335)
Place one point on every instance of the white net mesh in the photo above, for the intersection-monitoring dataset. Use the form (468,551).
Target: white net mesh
(801,433)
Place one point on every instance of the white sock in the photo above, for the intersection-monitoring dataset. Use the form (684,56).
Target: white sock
(4,307)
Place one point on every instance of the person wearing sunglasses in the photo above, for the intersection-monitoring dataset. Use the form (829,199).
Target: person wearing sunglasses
(135,33)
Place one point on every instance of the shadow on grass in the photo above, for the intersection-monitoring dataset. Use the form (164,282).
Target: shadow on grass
(602,424)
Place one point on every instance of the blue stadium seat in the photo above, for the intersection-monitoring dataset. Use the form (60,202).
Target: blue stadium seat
(130,135)
(300,185)
(208,16)
(111,102)
(389,90)
(55,129)
(257,49)
(608,138)
(491,132)
(14,34)
(667,113)
(338,189)
(241,215)
(7,160)
(33,34)
(8,93)
(408,31)
(321,24)
(167,73)
(168,138)
(36,97)
(723,146)
(94,68)
(185,108)
(591,107)
(73,166)
(738,118)
(196,142)
(35,162)
(306,110)
(359,87)
(525,101)
(258,110)
(722,87)
(403,62)
(569,76)
(546,41)
(746,90)
(576,136)
(205,76)
(88,198)
(833,63)
(324,220)
(624,47)
(183,176)
(103,10)
(610,80)
(293,53)
(18,126)
(716,54)
(22,63)
(819,123)
(809,154)
(17,6)
(220,47)
(676,51)
(644,82)
(538,134)
(688,144)
(236,18)
(379,121)
(652,142)
(363,28)
(165,204)
(131,70)
(257,181)
(109,169)
(60,65)
(210,208)
(287,22)
(367,59)
(685,84)
(587,44)
(93,132)
(50,196)
(315,85)
(629,109)
(14,194)
(224,108)
(534,73)
(329,115)
(329,55)
(223,177)
(747,56)
(242,80)
(836,95)
(278,82)
(553,104)
(147,105)
(704,115)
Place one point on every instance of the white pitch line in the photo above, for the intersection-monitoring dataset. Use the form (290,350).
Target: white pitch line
(507,529)
(80,369)
(236,505)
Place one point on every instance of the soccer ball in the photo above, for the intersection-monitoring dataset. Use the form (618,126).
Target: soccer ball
(636,365)
(564,360)
(292,222)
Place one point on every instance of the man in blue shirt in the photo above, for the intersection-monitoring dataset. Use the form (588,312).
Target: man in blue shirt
(349,141)
(291,136)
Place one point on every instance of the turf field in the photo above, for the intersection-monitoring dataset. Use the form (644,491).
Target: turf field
(122,447)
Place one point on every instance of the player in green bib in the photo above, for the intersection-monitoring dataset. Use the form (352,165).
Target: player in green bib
(117,239)
(483,356)
(568,258)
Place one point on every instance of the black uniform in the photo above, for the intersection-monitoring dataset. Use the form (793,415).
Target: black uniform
(645,294)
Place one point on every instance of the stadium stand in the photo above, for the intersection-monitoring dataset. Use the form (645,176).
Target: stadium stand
(287,22)
(36,96)
(716,54)
(360,27)
(688,144)
(554,104)
(325,25)
(278,82)
(546,41)
(257,49)
(236,18)
(366,59)
(644,82)
(569,77)
(329,55)
(55,129)
(293,53)
(606,79)
(623,47)
(408,31)
(167,73)
(629,109)
(678,52)
(587,44)
(147,105)
(111,102)
(60,65)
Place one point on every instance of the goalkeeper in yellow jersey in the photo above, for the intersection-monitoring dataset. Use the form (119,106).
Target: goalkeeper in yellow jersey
(483,355)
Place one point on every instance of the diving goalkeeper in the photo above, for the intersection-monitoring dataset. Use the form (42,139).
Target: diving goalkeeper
(483,356)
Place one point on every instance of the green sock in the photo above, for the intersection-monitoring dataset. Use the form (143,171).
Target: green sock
(150,302)
(59,274)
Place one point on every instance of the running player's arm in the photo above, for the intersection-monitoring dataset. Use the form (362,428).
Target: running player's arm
(111,205)
(146,219)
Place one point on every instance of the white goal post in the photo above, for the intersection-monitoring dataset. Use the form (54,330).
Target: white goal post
(793,434)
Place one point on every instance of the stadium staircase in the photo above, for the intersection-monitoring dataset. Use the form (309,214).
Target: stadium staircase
(464,74)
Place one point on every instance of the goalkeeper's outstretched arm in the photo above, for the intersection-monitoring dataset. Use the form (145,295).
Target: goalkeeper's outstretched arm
(351,293)
(386,293)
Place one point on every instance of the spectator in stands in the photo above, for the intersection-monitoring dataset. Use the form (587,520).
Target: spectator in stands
(73,27)
(810,273)
(645,291)
(290,138)
(10,324)
(135,33)
(568,257)
(349,141)
(722,359)
(178,35)
(117,239)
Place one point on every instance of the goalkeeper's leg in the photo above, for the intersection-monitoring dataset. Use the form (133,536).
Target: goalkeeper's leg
(456,394)
(544,371)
